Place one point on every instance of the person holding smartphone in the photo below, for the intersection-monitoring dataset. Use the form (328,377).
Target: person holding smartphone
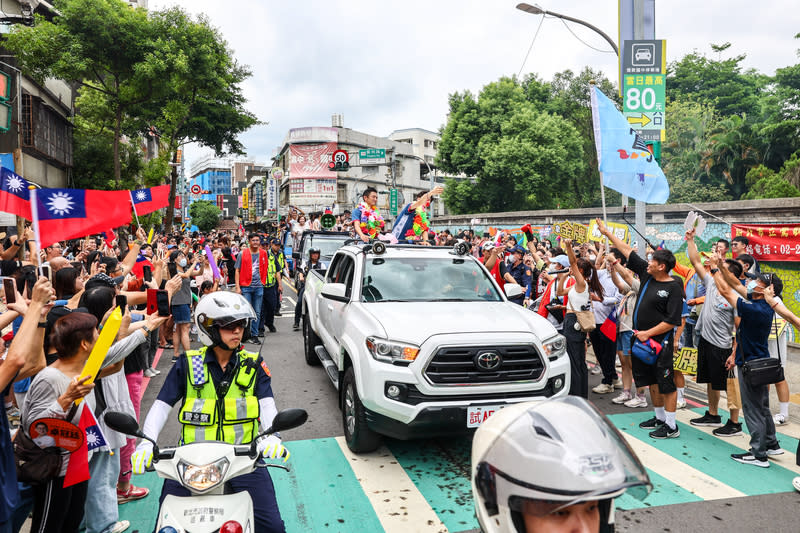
(182,300)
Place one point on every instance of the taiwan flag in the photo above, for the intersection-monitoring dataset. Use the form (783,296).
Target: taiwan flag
(78,466)
(149,200)
(14,196)
(71,213)
(109,237)
(609,327)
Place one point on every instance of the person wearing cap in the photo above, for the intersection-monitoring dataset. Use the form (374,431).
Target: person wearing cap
(273,290)
(752,343)
(252,269)
(552,305)
(493,263)
(519,273)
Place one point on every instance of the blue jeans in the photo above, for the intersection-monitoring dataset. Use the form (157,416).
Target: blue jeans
(254,295)
(101,511)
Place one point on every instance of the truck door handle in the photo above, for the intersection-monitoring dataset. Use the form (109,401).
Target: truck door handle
(330,307)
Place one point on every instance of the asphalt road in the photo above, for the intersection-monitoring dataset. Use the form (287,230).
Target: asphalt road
(295,384)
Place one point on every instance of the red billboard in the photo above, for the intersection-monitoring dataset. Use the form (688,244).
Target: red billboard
(770,242)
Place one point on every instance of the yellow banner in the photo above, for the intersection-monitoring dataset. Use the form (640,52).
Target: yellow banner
(778,327)
(620,231)
(571,230)
(150,236)
(685,361)
(104,342)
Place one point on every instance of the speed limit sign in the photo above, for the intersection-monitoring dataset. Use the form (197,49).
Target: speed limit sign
(196,189)
(340,157)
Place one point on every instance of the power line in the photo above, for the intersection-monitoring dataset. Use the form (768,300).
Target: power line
(530,47)
(564,22)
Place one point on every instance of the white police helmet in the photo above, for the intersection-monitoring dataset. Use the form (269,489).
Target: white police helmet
(543,456)
(217,309)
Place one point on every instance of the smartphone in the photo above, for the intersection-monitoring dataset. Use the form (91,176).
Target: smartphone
(173,269)
(122,302)
(162,302)
(46,271)
(152,303)
(10,289)
(147,273)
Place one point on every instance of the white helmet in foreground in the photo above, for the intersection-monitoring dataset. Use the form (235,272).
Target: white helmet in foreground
(217,309)
(530,461)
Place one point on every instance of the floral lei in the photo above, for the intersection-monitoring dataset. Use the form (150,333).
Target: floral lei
(371,221)
(421,223)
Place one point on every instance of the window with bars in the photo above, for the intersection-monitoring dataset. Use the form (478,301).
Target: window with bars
(45,132)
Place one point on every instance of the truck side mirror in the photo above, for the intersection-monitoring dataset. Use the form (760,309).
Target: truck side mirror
(335,291)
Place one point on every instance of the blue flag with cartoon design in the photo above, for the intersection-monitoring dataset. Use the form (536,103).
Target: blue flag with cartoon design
(624,159)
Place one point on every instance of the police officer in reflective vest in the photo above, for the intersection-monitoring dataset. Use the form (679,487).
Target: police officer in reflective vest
(273,289)
(226,396)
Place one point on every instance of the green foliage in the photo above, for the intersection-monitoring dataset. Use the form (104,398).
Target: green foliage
(205,215)
(764,183)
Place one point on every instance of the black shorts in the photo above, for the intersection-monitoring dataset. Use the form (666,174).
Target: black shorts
(711,364)
(660,374)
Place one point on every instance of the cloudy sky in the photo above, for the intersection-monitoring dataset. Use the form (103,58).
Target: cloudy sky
(391,65)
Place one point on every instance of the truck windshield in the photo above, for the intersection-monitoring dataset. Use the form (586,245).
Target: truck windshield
(327,247)
(426,279)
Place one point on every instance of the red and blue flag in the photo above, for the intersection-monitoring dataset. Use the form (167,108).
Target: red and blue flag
(148,200)
(14,195)
(70,213)
(609,327)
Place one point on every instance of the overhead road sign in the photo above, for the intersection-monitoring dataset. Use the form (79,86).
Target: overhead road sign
(372,156)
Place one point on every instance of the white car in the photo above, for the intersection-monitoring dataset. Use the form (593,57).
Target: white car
(643,54)
(421,342)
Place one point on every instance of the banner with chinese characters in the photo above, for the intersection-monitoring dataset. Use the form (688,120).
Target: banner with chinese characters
(310,181)
(770,242)
(620,231)
(685,361)
(571,230)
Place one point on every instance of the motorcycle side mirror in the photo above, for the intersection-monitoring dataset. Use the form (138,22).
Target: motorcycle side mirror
(288,419)
(127,425)
(123,423)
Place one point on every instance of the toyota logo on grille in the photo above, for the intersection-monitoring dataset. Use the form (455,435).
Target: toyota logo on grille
(488,361)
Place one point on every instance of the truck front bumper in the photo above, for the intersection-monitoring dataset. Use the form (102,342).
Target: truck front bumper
(447,420)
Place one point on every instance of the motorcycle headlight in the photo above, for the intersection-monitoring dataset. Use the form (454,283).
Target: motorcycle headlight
(555,346)
(389,351)
(202,478)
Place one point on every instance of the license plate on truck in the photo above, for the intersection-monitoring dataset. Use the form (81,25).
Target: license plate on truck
(477,415)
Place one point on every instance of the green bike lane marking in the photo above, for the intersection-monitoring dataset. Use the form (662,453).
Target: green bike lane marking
(711,455)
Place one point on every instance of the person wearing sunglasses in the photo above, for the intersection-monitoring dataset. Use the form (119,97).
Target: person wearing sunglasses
(226,395)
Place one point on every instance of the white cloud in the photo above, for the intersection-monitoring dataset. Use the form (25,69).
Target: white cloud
(390,65)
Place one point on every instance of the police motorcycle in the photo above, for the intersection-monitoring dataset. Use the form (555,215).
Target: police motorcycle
(204,468)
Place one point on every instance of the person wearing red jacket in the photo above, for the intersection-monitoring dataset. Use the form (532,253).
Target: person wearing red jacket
(251,276)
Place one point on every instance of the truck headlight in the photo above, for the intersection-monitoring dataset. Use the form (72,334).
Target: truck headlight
(555,346)
(390,352)
(203,478)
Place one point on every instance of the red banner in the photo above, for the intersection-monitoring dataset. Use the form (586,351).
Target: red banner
(311,160)
(770,242)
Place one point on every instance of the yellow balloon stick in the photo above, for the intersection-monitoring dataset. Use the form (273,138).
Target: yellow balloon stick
(100,350)
(150,237)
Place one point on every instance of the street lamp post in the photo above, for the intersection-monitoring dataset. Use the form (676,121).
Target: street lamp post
(536,10)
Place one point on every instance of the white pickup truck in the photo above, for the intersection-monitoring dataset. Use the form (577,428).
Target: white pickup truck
(421,342)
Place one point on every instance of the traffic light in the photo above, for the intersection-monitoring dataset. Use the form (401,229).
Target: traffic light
(334,166)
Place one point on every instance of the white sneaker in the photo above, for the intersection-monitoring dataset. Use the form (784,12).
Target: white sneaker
(623,397)
(120,526)
(636,401)
(617,383)
(780,419)
(681,404)
(796,483)
(595,370)
(149,373)
(603,389)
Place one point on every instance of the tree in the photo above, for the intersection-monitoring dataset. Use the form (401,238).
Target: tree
(202,98)
(104,45)
(731,151)
(205,215)
(719,82)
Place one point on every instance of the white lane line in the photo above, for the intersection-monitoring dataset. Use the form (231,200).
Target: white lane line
(397,502)
(683,475)
(787,460)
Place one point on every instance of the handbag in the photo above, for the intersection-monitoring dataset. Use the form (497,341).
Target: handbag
(646,352)
(764,371)
(553,307)
(585,319)
(36,465)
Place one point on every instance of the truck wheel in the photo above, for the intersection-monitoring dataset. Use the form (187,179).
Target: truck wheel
(359,438)
(310,341)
